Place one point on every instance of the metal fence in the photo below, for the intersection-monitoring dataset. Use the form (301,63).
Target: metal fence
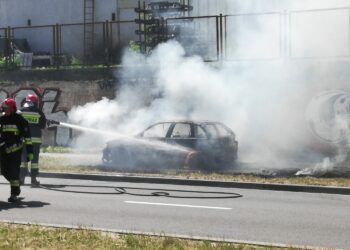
(253,36)
(256,36)
(198,35)
(62,45)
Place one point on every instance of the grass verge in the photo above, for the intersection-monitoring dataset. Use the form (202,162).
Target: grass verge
(51,149)
(16,236)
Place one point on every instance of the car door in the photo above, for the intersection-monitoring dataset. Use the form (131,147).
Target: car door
(151,152)
(158,131)
(227,141)
(181,133)
(222,142)
(209,142)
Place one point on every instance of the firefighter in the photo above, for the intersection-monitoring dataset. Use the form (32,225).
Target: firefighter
(14,133)
(37,122)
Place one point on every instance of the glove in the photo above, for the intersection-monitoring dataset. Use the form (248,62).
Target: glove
(30,157)
(52,123)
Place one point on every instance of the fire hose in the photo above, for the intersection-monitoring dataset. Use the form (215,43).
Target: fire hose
(51,123)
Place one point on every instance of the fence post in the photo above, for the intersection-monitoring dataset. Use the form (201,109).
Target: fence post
(221,38)
(217,38)
(56,47)
(107,43)
(60,44)
(8,49)
(225,37)
(104,39)
(56,37)
(166,29)
(54,44)
(110,47)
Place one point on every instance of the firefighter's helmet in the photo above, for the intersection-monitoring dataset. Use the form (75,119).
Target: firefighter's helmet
(32,98)
(9,106)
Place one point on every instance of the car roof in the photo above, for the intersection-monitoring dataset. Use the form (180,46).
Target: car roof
(195,122)
(188,121)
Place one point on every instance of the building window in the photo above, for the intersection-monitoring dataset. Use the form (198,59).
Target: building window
(113,16)
(29,22)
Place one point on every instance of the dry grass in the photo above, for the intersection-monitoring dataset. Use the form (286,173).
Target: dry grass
(51,164)
(305,180)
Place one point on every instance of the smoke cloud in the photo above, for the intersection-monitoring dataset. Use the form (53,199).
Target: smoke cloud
(263,101)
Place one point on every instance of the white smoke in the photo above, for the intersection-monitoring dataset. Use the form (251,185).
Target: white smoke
(257,101)
(262,101)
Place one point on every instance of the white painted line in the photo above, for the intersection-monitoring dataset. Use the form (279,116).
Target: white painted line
(176,205)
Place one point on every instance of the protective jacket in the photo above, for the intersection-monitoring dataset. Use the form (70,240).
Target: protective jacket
(15,133)
(37,121)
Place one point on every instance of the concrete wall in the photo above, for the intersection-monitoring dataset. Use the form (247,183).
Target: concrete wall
(58,92)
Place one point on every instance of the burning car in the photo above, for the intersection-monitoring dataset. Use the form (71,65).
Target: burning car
(176,144)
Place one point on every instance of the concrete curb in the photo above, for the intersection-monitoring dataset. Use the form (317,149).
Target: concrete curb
(208,183)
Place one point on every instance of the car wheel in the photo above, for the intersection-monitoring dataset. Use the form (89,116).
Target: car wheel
(191,160)
(106,156)
(121,157)
(224,162)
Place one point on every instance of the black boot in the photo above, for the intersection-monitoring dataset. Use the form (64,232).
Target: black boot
(15,191)
(13,199)
(35,182)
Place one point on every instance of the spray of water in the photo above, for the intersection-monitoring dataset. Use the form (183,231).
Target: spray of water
(173,155)
(111,135)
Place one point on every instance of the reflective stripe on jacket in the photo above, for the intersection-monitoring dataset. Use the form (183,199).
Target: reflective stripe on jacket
(37,121)
(31,117)
(13,148)
(14,132)
(36,140)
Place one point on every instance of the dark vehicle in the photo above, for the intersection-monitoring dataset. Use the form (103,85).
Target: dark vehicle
(180,144)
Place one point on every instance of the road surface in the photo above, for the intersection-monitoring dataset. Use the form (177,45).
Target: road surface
(224,213)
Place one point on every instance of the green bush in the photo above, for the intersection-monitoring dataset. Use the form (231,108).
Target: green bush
(134,46)
(12,65)
(75,61)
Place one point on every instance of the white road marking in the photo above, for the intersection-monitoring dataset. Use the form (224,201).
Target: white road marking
(176,205)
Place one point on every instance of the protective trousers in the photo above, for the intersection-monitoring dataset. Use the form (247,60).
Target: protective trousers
(34,164)
(10,168)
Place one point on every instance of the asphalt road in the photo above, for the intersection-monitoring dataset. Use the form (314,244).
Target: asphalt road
(225,213)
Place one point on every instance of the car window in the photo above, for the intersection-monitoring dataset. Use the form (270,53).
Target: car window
(181,130)
(223,131)
(211,130)
(158,130)
(199,132)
